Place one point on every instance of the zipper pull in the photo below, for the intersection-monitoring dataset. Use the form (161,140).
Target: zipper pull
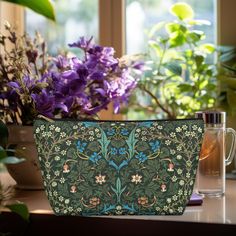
(45,118)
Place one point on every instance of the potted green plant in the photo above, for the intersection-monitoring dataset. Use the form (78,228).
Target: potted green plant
(34,83)
(6,193)
(181,79)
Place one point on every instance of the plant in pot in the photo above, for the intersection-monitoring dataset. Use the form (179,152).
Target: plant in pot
(6,193)
(33,83)
(181,78)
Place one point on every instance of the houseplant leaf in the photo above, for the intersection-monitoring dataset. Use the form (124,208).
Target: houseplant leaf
(20,209)
(42,7)
(182,11)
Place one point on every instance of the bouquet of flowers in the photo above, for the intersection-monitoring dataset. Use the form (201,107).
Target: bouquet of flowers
(33,82)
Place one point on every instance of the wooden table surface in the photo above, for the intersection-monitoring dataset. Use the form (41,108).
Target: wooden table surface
(217,212)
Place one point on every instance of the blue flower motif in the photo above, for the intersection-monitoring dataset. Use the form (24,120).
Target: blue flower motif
(81,146)
(124,132)
(113,151)
(141,157)
(155,146)
(122,151)
(111,132)
(95,157)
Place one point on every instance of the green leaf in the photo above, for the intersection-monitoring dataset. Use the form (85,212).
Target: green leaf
(20,209)
(185,87)
(207,48)
(177,40)
(11,160)
(174,67)
(182,11)
(155,28)
(42,7)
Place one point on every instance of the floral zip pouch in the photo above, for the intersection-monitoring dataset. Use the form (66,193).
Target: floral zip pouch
(119,167)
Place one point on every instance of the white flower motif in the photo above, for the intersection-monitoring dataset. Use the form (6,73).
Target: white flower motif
(37,130)
(187,133)
(144,132)
(189,163)
(51,127)
(75,127)
(178,129)
(79,209)
(57,209)
(91,132)
(167,142)
(42,127)
(70,209)
(99,135)
(165,208)
(57,148)
(175,198)
(61,199)
(63,152)
(179,157)
(193,134)
(68,142)
(57,173)
(48,176)
(168,200)
(191,183)
(172,152)
(49,134)
(58,129)
(184,127)
(181,182)
(138,130)
(174,178)
(194,127)
(180,192)
(180,209)
(172,134)
(63,134)
(57,158)
(179,171)
(96,130)
(54,184)
(100,179)
(67,201)
(159,127)
(188,175)
(144,138)
(171,211)
(136,179)
(199,130)
(91,138)
(179,147)
(44,134)
(62,180)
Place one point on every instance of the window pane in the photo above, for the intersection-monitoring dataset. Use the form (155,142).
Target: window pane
(75,18)
(142,15)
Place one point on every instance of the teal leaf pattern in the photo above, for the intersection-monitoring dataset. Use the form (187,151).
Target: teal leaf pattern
(119,167)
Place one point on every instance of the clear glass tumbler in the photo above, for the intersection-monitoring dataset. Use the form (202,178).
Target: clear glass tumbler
(211,170)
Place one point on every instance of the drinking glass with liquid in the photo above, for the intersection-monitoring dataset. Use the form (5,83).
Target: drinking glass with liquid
(212,163)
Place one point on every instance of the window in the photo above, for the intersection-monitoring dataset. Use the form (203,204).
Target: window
(75,18)
(142,15)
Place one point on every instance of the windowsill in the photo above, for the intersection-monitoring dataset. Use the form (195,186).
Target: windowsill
(219,211)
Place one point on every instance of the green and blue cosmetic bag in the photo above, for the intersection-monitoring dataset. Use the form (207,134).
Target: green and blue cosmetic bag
(118,167)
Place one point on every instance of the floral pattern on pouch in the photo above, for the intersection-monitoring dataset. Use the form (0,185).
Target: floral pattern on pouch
(119,167)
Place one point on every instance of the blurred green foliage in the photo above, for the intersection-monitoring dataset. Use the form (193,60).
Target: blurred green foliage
(181,80)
